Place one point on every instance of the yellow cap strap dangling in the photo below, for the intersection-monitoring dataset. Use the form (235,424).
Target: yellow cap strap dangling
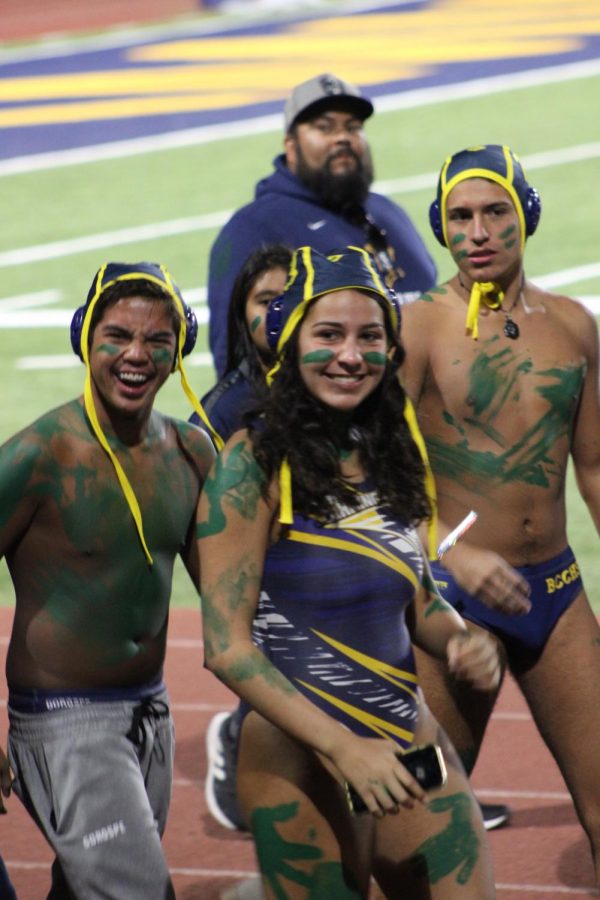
(415,431)
(121,476)
(487,292)
(88,400)
(286,513)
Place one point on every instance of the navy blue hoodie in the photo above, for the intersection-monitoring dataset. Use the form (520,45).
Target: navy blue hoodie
(285,211)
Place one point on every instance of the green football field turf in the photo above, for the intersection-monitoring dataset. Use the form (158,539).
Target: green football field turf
(49,213)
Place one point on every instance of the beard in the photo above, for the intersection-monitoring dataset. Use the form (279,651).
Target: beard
(345,193)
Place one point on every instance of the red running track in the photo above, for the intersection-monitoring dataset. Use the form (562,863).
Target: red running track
(30,19)
(542,855)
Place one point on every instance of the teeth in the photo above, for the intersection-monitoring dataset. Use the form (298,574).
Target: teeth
(132,377)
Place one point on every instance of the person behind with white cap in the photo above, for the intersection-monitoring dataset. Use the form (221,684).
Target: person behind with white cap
(314,584)
(97,498)
(504,378)
(318,195)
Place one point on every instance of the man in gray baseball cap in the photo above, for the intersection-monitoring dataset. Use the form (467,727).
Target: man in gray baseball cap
(319,195)
(324,92)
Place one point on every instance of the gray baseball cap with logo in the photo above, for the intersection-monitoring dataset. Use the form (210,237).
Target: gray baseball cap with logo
(313,96)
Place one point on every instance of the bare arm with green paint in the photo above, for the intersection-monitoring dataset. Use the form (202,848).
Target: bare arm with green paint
(440,631)
(235,527)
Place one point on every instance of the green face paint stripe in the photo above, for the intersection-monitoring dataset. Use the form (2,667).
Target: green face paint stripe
(461,254)
(457,239)
(508,231)
(109,349)
(375,358)
(317,356)
(509,244)
(255,323)
(162,355)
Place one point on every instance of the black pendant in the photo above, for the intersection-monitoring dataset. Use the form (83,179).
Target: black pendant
(511,329)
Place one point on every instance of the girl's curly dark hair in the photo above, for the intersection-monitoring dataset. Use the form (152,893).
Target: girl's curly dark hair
(298,427)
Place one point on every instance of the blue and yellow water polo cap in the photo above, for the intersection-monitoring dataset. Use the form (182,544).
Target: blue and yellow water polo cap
(312,275)
(497,163)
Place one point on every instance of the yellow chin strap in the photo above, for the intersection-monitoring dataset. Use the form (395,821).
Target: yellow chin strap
(196,405)
(88,398)
(488,293)
(415,432)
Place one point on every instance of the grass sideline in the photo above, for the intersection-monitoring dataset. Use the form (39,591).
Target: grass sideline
(101,197)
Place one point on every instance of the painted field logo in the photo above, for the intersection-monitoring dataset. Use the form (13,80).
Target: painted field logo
(558,581)
(102,835)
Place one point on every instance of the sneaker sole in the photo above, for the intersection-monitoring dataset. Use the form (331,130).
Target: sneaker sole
(497,822)
(211,740)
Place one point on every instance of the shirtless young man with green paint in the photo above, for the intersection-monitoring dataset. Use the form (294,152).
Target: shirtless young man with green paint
(503,400)
(97,498)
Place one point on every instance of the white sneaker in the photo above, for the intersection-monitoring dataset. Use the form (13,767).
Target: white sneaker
(219,787)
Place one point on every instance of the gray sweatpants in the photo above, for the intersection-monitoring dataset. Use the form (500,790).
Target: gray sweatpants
(97,780)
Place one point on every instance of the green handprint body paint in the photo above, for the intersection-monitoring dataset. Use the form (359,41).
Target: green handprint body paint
(454,849)
(109,349)
(276,855)
(440,291)
(496,383)
(238,481)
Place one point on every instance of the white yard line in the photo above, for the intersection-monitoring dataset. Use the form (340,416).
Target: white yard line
(57,249)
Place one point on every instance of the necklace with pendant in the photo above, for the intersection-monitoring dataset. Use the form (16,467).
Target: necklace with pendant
(510,328)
